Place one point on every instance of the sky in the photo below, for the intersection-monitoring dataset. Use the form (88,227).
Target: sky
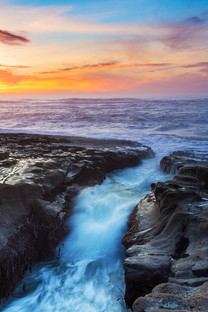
(111,48)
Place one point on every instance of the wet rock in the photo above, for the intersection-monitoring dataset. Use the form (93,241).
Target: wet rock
(174,297)
(39,176)
(168,235)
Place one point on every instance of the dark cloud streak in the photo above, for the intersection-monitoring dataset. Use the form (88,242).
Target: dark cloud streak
(200,64)
(183,34)
(106,65)
(88,66)
(14,66)
(9,38)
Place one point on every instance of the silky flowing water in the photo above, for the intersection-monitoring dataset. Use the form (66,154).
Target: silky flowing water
(86,275)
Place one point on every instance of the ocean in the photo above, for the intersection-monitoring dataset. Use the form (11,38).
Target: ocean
(160,123)
(88,274)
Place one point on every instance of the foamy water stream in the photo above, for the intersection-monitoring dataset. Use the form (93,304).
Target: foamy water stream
(88,276)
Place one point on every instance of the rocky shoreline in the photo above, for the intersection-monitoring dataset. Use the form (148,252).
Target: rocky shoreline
(166,265)
(40,175)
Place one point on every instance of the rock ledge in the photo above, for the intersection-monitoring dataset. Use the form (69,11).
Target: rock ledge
(166,268)
(40,175)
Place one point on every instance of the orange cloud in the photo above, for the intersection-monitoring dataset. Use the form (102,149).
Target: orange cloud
(98,77)
(83,81)
(9,78)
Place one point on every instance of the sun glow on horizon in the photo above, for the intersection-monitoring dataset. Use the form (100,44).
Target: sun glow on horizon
(56,48)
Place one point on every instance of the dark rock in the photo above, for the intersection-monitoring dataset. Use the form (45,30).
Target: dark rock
(40,175)
(168,236)
(141,276)
(4,155)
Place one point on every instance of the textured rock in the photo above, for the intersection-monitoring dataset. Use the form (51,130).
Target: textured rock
(167,243)
(174,297)
(39,176)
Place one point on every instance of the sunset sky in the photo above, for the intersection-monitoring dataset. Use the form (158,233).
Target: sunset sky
(104,48)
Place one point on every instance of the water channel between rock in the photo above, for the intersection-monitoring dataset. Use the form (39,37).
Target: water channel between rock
(87,272)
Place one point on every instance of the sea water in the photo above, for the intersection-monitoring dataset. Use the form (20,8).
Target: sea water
(87,274)
(175,123)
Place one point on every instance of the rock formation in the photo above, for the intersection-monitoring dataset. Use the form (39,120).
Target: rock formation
(39,176)
(166,268)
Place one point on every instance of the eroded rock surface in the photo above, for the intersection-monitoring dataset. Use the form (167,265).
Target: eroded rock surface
(39,176)
(167,244)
